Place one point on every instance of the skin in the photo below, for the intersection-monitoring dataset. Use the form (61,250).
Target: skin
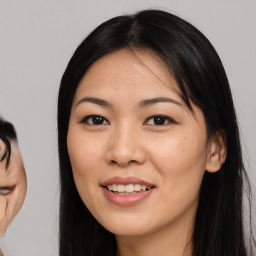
(172,156)
(14,179)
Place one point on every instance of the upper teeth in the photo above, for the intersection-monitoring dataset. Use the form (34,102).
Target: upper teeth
(127,188)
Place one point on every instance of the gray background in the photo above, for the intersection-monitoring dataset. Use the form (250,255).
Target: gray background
(37,38)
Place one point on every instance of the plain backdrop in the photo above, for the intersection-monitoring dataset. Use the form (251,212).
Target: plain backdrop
(37,39)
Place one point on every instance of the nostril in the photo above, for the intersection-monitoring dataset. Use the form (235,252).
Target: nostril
(123,163)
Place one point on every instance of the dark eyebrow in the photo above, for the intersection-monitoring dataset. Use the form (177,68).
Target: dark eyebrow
(152,101)
(95,101)
(142,104)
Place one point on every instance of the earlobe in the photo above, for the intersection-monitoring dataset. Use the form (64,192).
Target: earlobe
(217,152)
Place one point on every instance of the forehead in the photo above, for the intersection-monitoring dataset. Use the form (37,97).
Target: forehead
(128,72)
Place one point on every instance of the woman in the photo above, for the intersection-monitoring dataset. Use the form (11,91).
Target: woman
(13,183)
(150,155)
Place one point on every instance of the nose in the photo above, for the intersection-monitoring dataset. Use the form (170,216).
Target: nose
(125,148)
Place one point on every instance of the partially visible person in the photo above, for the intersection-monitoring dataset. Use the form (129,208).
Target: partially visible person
(13,182)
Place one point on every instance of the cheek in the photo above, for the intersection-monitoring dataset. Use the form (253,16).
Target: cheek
(84,154)
(180,162)
(180,153)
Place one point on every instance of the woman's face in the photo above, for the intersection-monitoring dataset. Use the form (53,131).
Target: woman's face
(13,186)
(131,133)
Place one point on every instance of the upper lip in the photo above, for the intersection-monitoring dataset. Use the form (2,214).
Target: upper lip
(126,181)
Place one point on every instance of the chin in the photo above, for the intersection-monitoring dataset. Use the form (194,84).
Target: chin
(124,231)
(127,227)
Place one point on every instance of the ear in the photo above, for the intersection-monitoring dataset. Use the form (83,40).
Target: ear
(217,152)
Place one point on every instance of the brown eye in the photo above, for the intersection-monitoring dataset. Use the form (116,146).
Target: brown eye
(160,120)
(95,120)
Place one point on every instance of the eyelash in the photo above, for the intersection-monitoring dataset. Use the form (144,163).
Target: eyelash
(166,118)
(85,120)
(105,121)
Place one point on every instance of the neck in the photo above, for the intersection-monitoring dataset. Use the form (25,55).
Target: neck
(171,241)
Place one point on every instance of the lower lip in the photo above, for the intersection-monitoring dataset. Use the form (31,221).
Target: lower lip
(126,200)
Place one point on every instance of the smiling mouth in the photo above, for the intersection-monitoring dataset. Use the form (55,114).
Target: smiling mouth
(129,189)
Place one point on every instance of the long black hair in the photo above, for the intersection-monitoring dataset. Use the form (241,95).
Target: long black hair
(7,134)
(200,75)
